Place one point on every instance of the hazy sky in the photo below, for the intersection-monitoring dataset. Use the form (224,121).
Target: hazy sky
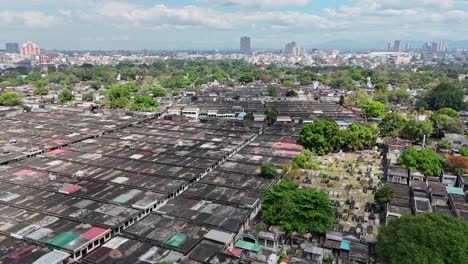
(218,24)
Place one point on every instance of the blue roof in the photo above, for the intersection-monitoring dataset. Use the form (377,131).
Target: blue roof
(454,190)
(345,245)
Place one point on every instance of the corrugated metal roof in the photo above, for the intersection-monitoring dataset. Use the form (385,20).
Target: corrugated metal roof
(53,257)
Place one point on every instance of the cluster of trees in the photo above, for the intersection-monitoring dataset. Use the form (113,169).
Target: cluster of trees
(444,95)
(297,209)
(445,120)
(426,161)
(373,109)
(120,97)
(323,137)
(425,238)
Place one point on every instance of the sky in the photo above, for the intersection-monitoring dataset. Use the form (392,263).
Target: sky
(218,24)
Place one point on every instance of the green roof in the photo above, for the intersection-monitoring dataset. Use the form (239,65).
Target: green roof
(247,245)
(345,245)
(176,240)
(62,240)
(123,198)
(454,190)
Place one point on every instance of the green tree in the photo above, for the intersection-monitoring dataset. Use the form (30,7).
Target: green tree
(384,195)
(301,210)
(88,97)
(356,137)
(10,99)
(444,95)
(96,85)
(288,83)
(357,98)
(41,90)
(391,125)
(319,137)
(65,96)
(291,93)
(271,115)
(373,109)
(415,130)
(273,91)
(425,238)
(268,171)
(144,102)
(249,117)
(425,160)
(448,112)
(157,91)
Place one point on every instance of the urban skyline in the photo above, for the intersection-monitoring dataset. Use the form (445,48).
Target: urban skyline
(217,24)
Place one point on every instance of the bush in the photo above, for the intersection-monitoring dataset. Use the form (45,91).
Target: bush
(10,99)
(464,151)
(88,97)
(444,144)
(268,171)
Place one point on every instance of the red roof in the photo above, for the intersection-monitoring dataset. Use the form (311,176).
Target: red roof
(93,233)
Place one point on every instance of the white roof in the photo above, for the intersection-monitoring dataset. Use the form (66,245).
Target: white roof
(219,236)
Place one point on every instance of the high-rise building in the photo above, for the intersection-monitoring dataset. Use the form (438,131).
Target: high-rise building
(245,45)
(289,48)
(30,50)
(394,46)
(12,48)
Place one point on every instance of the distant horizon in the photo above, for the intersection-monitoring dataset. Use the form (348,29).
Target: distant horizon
(218,24)
(340,45)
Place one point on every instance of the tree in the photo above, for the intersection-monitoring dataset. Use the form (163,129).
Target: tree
(41,90)
(425,238)
(273,91)
(88,97)
(319,137)
(356,137)
(357,98)
(448,112)
(443,95)
(247,77)
(96,85)
(391,125)
(268,171)
(415,130)
(373,109)
(271,115)
(66,96)
(384,195)
(249,117)
(291,93)
(399,96)
(288,83)
(10,99)
(301,210)
(425,160)
(144,102)
(157,91)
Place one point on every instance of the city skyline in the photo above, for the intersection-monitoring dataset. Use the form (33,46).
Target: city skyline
(218,24)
